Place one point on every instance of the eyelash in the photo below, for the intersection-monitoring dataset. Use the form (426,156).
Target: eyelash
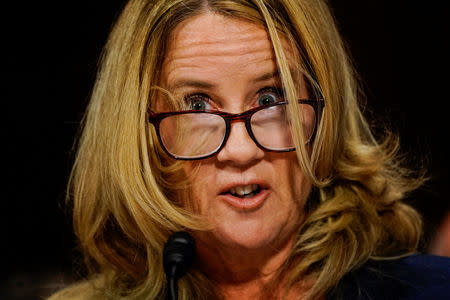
(276,90)
(196,96)
(190,98)
(205,97)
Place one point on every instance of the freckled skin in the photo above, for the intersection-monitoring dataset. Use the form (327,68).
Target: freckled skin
(228,54)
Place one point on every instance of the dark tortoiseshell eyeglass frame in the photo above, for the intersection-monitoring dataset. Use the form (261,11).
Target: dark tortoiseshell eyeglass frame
(156,118)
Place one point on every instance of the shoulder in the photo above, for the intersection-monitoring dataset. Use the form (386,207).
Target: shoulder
(84,290)
(415,277)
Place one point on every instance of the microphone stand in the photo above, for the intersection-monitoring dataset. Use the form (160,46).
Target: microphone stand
(178,255)
(172,285)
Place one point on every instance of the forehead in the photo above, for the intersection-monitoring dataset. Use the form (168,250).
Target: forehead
(210,29)
(209,40)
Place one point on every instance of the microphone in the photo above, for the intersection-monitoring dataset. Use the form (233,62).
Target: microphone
(178,255)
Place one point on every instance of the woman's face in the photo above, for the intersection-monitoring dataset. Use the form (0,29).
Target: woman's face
(252,198)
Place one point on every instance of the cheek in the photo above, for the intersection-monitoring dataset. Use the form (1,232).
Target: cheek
(294,182)
(200,182)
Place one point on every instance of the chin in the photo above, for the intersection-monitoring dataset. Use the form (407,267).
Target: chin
(250,236)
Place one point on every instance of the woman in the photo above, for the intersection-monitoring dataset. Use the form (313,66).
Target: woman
(238,121)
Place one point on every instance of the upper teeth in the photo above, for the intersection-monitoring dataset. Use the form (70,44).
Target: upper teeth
(243,189)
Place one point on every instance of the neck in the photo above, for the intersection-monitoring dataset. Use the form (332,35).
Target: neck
(242,273)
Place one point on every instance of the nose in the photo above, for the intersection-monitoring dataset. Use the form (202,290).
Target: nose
(240,149)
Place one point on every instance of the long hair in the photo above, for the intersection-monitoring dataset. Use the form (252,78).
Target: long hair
(125,192)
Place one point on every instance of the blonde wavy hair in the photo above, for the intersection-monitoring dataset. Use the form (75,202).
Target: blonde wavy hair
(125,191)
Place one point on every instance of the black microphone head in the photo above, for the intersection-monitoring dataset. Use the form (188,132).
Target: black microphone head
(178,254)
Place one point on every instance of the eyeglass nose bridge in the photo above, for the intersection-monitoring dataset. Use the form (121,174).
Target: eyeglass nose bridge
(240,117)
(243,116)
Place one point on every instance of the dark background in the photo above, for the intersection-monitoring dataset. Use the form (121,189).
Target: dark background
(49,69)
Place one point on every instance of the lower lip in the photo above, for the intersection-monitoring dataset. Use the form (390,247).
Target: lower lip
(246,203)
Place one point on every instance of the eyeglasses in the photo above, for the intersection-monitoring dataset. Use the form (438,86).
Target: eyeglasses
(200,134)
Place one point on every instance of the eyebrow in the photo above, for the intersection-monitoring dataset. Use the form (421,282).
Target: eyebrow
(208,85)
(271,75)
(267,76)
(190,83)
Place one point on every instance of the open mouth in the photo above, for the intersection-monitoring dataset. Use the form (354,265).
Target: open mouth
(245,191)
(246,197)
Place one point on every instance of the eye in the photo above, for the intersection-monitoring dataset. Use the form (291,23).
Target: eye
(197,102)
(269,96)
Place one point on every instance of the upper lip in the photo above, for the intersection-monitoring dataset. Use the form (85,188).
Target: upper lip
(227,186)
